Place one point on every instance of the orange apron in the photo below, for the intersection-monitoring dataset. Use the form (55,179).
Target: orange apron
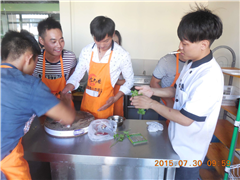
(100,87)
(175,79)
(118,105)
(14,166)
(55,85)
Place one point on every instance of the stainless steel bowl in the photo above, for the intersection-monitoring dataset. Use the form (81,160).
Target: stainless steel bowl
(118,119)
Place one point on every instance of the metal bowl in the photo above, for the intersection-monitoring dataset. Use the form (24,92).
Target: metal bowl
(118,119)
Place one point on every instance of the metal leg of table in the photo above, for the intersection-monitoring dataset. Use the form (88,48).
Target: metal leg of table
(170,174)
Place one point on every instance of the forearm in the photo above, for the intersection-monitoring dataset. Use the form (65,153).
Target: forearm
(118,95)
(120,82)
(68,87)
(171,114)
(168,92)
(155,85)
(61,112)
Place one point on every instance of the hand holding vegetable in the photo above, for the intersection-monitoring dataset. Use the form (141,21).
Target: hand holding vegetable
(142,102)
(135,93)
(145,90)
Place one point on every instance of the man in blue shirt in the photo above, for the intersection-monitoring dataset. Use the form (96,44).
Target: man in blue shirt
(22,98)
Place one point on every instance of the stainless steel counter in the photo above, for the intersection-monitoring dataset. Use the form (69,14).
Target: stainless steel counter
(80,158)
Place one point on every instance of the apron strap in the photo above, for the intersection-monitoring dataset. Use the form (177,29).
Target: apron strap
(44,62)
(5,66)
(110,56)
(177,70)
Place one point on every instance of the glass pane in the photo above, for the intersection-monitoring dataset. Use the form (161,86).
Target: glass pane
(33,17)
(13,18)
(14,27)
(31,27)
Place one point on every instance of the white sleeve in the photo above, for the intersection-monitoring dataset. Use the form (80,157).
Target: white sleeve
(79,71)
(127,72)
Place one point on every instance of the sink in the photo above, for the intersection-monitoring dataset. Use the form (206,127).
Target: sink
(142,79)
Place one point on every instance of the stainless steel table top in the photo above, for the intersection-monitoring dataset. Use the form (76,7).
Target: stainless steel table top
(39,146)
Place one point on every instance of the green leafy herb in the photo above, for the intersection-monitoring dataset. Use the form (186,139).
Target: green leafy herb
(135,93)
(120,137)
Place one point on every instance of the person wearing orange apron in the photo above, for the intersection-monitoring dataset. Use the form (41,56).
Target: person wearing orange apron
(14,166)
(50,36)
(55,85)
(104,65)
(174,81)
(118,105)
(98,92)
(23,97)
(167,71)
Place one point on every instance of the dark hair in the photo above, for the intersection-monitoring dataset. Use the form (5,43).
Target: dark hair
(14,44)
(47,24)
(119,37)
(199,25)
(102,26)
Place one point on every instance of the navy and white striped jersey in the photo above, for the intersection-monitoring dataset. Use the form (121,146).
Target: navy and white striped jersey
(53,70)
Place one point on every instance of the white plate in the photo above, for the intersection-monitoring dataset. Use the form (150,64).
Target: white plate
(69,133)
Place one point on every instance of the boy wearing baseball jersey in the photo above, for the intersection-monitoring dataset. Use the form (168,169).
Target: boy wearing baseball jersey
(198,92)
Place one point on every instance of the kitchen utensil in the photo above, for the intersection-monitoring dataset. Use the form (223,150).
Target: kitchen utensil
(118,119)
(79,126)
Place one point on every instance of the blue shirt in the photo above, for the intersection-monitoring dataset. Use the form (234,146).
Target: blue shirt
(22,96)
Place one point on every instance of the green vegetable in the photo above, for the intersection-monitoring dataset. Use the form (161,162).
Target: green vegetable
(120,137)
(135,93)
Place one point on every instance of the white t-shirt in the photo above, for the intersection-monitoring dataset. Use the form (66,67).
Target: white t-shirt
(199,91)
(120,62)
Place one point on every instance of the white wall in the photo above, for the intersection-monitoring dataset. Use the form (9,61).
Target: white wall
(148,29)
(65,19)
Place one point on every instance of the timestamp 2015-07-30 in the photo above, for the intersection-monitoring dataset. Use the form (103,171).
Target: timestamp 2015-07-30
(194,163)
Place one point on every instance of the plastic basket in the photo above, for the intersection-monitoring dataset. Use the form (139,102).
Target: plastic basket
(234,172)
(230,94)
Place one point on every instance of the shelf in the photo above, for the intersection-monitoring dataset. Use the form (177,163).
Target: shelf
(231,109)
(224,132)
(230,68)
(219,152)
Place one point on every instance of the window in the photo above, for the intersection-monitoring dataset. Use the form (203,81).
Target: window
(19,21)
